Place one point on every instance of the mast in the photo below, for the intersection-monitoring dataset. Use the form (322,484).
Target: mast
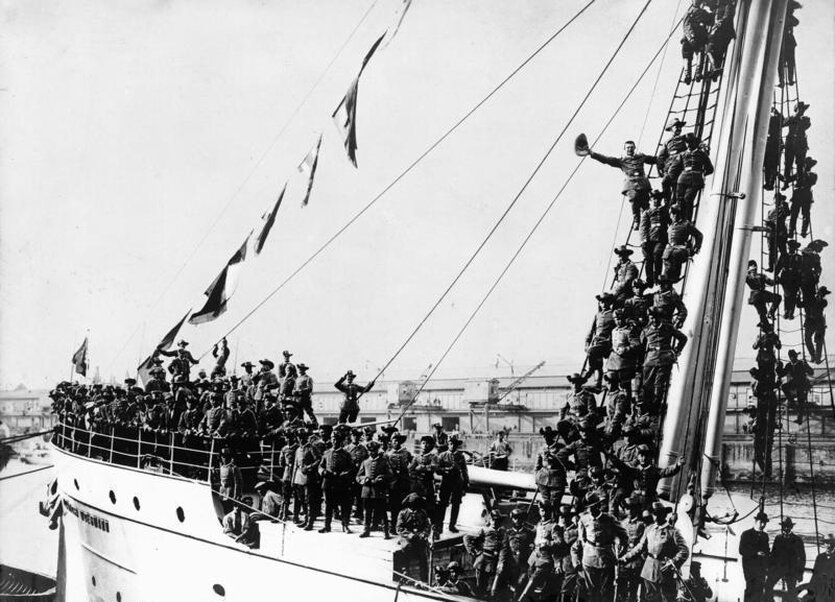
(718,275)
(760,64)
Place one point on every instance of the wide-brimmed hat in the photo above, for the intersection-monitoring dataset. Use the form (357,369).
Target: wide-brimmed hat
(659,508)
(286,353)
(302,367)
(643,448)
(761,516)
(262,485)
(605,297)
(623,250)
(373,445)
(547,432)
(247,365)
(517,512)
(633,501)
(428,440)
(793,244)
(639,284)
(267,363)
(823,291)
(673,123)
(576,378)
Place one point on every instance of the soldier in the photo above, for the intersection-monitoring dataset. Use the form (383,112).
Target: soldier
(810,268)
(814,325)
(231,481)
(337,471)
(668,301)
(303,393)
(238,526)
(440,437)
(422,471)
(720,36)
(182,362)
(266,381)
(797,386)
(696,588)
(696,165)
(520,538)
(550,469)
(287,465)
(636,186)
(753,547)
(802,198)
(601,488)
(350,409)
(666,551)
(622,364)
(413,529)
(500,451)
(399,460)
(599,339)
(306,479)
(773,147)
(221,353)
(788,561)
(625,273)
(157,381)
(579,401)
(684,241)
(563,563)
(796,144)
(586,450)
(452,466)
(669,158)
(764,301)
(638,304)
(629,572)
(786,69)
(662,344)
(248,377)
(696,23)
(788,273)
(287,375)
(270,419)
(490,549)
(214,418)
(541,562)
(375,477)
(454,584)
(645,476)
(594,549)
(270,501)
(654,224)
(765,344)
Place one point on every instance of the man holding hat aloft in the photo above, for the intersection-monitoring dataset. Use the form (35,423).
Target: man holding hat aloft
(666,551)
(753,547)
(788,561)
(183,360)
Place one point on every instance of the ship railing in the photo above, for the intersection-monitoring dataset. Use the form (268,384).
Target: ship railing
(190,455)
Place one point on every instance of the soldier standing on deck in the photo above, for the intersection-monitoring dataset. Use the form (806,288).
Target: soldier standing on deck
(666,551)
(520,538)
(595,550)
(490,548)
(337,471)
(541,562)
(636,186)
(413,529)
(350,409)
(753,547)
(375,477)
(452,466)
(303,393)
(399,459)
(629,572)
(788,561)
(422,475)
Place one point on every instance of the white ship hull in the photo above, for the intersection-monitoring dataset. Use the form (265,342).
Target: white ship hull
(146,553)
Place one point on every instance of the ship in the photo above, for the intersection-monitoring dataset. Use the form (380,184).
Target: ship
(140,521)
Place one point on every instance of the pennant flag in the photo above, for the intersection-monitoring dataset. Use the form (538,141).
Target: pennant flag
(79,359)
(308,165)
(401,14)
(345,115)
(269,220)
(144,369)
(221,288)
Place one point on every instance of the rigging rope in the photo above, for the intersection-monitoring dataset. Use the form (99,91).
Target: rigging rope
(23,474)
(535,227)
(249,175)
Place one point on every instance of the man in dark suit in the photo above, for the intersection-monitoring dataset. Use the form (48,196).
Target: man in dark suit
(753,547)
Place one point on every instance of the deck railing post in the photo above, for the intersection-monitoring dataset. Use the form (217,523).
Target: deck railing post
(272,460)
(171,460)
(111,444)
(139,449)
(211,458)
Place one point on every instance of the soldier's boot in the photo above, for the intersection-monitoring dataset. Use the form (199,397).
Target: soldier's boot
(453,518)
(386,531)
(328,519)
(701,66)
(688,74)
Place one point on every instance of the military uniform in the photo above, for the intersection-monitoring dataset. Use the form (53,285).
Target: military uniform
(550,475)
(580,402)
(659,357)
(413,529)
(753,547)
(760,296)
(662,544)
(777,234)
(623,360)
(695,28)
(520,541)
(636,186)
(231,481)
(307,482)
(809,273)
(773,146)
(541,561)
(629,573)
(452,467)
(814,325)
(801,202)
(625,273)
(599,342)
(669,161)
(399,460)
(654,224)
(672,307)
(337,471)
(303,393)
(696,165)
(287,465)
(349,409)
(375,477)
(422,471)
(788,274)
(595,549)
(796,143)
(491,549)
(679,249)
(359,453)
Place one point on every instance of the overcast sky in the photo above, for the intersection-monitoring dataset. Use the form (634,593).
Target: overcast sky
(130,128)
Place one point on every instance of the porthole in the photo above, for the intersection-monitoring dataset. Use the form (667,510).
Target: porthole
(118,596)
(75,482)
(112,496)
(180,514)
(219,589)
(94,580)
(136,502)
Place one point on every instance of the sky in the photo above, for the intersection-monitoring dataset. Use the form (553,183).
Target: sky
(142,141)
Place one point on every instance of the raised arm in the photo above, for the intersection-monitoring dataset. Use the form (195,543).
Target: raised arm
(612,161)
